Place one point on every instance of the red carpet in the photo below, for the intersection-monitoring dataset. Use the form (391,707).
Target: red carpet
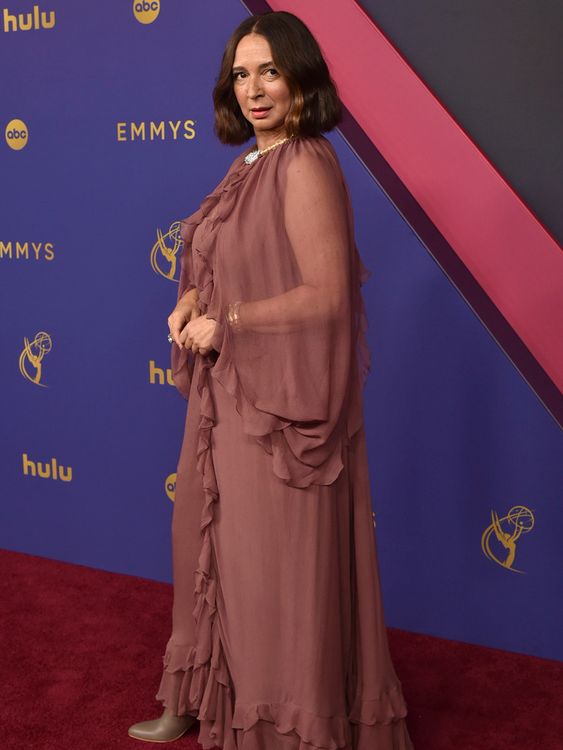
(81,661)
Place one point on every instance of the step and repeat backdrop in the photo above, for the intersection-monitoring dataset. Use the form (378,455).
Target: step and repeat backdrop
(106,142)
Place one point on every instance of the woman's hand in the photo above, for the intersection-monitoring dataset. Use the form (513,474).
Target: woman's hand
(198,334)
(185,311)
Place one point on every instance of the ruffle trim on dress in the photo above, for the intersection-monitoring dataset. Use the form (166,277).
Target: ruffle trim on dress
(314,732)
(329,733)
(387,707)
(223,198)
(206,686)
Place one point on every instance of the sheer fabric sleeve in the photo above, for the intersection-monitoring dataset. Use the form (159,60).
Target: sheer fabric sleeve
(291,364)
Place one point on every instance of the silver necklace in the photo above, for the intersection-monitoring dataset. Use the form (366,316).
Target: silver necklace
(253,155)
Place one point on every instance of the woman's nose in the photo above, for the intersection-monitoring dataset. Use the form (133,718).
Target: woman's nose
(254,86)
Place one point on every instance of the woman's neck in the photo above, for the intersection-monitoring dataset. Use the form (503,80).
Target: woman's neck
(269,137)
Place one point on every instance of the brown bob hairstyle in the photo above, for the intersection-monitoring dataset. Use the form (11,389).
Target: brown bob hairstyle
(315,105)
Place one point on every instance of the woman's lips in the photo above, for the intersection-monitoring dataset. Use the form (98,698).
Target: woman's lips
(262,112)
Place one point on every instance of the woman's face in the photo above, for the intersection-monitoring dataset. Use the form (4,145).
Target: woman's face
(261,91)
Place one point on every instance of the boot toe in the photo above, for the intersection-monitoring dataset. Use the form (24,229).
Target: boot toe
(164,729)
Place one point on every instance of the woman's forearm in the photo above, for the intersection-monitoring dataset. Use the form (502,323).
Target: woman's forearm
(190,295)
(289,311)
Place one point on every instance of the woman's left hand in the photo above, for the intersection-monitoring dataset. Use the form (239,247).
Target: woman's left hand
(198,333)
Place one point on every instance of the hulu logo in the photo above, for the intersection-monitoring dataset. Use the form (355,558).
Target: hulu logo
(157,374)
(37,19)
(47,470)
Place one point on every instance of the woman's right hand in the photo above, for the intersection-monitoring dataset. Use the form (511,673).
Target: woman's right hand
(186,310)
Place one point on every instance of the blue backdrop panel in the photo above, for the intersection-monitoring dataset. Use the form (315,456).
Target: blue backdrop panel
(118,115)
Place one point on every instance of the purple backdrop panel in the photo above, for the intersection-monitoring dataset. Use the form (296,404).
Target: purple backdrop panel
(116,128)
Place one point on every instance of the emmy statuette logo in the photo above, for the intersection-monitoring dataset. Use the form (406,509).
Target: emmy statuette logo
(170,486)
(31,21)
(146,11)
(506,531)
(31,357)
(164,252)
(16,134)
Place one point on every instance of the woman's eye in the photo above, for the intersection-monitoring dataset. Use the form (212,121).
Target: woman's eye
(240,73)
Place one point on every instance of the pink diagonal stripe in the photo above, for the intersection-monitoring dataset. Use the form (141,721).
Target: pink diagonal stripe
(505,247)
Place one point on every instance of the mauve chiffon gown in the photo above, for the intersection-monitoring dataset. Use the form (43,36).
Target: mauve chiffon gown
(278,635)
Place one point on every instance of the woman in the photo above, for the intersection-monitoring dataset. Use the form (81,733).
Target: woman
(278,637)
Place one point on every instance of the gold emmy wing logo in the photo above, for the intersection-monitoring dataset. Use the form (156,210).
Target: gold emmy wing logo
(16,134)
(170,486)
(146,11)
(164,252)
(507,530)
(31,357)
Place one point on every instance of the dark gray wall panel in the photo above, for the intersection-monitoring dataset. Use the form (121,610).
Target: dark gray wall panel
(498,69)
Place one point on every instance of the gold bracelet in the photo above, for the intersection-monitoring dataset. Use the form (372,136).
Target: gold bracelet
(233,317)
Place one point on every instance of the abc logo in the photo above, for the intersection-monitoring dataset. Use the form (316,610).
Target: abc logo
(170,486)
(146,11)
(16,134)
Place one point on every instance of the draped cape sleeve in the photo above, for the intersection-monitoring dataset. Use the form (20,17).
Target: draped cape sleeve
(278,236)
